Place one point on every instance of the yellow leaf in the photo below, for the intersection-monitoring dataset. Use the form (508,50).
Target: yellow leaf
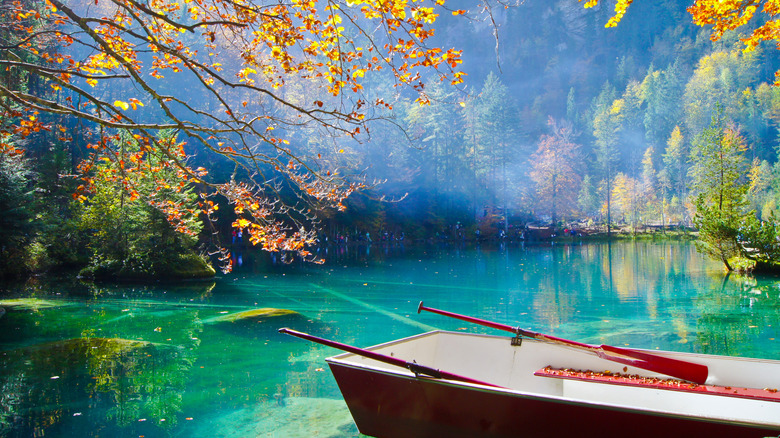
(124,105)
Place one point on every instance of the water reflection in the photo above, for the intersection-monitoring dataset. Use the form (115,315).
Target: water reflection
(736,311)
(205,359)
(66,385)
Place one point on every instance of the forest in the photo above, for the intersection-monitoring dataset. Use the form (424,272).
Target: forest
(126,151)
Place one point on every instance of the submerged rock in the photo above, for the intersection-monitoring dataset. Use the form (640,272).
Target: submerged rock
(253,315)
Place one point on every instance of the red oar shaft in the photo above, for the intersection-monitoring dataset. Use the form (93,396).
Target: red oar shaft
(508,328)
(689,371)
(411,366)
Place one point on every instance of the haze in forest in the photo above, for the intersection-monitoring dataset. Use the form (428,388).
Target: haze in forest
(651,83)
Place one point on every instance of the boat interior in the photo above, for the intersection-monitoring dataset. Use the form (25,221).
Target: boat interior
(518,370)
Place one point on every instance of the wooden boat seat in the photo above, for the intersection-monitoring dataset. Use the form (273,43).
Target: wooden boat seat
(765,394)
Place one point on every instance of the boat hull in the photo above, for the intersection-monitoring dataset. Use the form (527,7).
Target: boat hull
(387,404)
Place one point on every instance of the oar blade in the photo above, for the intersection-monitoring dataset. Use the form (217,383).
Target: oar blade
(685,370)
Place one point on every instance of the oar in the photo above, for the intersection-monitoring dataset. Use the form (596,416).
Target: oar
(679,369)
(414,367)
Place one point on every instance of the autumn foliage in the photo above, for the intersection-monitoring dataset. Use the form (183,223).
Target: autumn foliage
(214,72)
(724,16)
(555,169)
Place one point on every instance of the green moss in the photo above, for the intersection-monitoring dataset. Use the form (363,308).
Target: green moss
(192,266)
(253,315)
(173,267)
(744,265)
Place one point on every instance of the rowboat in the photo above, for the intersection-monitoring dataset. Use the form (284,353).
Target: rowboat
(455,384)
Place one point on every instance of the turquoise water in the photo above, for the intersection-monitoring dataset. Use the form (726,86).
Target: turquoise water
(166,360)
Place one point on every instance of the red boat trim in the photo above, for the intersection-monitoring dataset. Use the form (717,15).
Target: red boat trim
(766,394)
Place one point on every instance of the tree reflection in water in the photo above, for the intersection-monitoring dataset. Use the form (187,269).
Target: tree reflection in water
(76,384)
(90,382)
(737,311)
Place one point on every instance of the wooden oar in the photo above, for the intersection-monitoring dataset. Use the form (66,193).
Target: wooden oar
(414,367)
(679,369)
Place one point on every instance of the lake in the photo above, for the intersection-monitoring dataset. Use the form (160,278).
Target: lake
(79,359)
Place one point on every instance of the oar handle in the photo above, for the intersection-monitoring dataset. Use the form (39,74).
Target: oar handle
(479,321)
(414,367)
(689,371)
(508,328)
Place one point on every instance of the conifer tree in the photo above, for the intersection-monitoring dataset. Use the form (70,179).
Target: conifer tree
(16,219)
(606,129)
(718,176)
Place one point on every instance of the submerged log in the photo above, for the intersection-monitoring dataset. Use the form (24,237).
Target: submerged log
(253,315)
(30,304)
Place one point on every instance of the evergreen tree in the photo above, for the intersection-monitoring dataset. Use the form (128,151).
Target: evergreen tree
(759,190)
(571,107)
(718,181)
(442,156)
(674,176)
(588,200)
(16,217)
(606,129)
(649,186)
(662,91)
(491,136)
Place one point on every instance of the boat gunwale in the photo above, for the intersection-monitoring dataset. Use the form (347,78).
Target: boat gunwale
(665,353)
